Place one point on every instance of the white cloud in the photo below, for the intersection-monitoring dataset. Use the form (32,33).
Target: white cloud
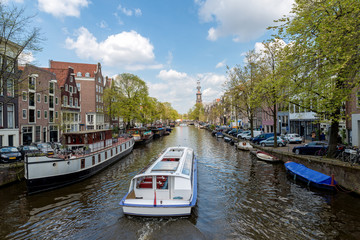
(138,12)
(127,50)
(103,24)
(244,20)
(25,57)
(125,11)
(63,8)
(171,75)
(128,12)
(221,64)
(179,88)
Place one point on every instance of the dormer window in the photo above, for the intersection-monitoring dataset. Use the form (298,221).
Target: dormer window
(79,74)
(66,87)
(71,78)
(87,74)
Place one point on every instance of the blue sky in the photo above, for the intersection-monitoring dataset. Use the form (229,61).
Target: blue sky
(170,44)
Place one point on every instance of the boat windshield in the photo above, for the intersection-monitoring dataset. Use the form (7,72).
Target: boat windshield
(187,164)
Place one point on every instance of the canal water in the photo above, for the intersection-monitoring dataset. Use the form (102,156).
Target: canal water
(239,197)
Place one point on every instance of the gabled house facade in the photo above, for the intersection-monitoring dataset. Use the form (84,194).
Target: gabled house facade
(91,83)
(9,75)
(70,99)
(39,106)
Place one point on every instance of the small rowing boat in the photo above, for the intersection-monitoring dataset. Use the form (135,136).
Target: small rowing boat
(244,146)
(309,176)
(167,188)
(267,157)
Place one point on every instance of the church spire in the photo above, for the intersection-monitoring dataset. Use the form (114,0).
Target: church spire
(198,93)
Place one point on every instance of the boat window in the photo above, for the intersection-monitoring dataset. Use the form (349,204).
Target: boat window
(187,164)
(162,182)
(144,182)
(83,163)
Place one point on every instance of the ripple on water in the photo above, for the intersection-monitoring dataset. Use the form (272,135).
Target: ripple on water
(238,198)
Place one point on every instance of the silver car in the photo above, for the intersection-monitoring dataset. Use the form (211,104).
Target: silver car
(270,142)
(293,138)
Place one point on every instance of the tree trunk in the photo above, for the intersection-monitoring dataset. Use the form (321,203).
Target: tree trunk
(252,125)
(275,125)
(334,132)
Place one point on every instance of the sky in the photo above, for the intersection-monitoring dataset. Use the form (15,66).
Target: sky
(170,44)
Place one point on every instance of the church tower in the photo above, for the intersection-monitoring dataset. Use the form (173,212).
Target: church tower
(198,93)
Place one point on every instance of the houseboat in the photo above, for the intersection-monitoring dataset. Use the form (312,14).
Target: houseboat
(93,151)
(158,131)
(141,136)
(167,188)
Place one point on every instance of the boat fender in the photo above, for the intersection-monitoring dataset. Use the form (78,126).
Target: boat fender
(308,184)
(294,177)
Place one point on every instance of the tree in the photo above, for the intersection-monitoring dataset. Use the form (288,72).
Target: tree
(323,59)
(16,37)
(241,86)
(272,89)
(131,94)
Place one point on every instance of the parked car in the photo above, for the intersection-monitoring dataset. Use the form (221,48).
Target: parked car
(28,150)
(243,134)
(311,148)
(45,148)
(270,142)
(262,137)
(293,138)
(247,136)
(9,154)
(255,134)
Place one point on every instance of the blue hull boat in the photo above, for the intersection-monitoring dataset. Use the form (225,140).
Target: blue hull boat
(311,177)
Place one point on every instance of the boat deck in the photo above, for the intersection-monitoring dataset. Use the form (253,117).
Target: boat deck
(80,154)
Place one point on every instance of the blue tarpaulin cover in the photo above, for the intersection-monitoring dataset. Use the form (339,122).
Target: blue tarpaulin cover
(308,173)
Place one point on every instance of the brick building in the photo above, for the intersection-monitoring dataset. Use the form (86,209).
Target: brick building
(70,99)
(91,83)
(39,106)
(9,125)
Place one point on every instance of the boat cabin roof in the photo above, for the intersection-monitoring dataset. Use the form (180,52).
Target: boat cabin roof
(175,160)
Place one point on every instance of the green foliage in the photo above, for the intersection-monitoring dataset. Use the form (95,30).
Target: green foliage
(323,59)
(128,98)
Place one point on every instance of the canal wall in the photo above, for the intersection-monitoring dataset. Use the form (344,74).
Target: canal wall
(346,174)
(11,172)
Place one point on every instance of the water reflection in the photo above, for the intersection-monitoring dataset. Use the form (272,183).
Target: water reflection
(239,197)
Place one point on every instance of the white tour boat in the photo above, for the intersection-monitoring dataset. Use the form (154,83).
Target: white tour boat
(49,172)
(167,188)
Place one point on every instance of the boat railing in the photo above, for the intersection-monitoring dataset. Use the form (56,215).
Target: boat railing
(81,152)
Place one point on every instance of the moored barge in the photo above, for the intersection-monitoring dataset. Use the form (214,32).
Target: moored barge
(99,150)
